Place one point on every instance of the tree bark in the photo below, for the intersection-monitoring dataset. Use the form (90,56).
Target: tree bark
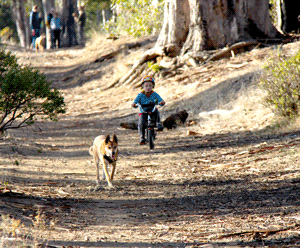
(22,22)
(69,37)
(47,6)
(191,26)
(175,26)
(213,24)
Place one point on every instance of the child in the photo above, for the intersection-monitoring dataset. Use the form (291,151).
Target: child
(145,97)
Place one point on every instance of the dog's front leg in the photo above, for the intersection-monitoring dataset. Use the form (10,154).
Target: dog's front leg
(105,163)
(97,170)
(113,171)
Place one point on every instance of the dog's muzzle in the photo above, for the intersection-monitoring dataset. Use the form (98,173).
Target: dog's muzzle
(109,159)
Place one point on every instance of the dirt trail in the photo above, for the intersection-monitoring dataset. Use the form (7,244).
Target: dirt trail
(233,187)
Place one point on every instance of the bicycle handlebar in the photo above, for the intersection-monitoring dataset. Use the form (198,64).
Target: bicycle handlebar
(147,105)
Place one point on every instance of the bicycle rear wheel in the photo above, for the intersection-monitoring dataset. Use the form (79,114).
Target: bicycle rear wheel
(151,138)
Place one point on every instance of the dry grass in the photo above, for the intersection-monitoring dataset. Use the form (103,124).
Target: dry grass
(247,112)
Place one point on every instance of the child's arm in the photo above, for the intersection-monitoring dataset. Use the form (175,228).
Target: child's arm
(136,100)
(162,103)
(159,100)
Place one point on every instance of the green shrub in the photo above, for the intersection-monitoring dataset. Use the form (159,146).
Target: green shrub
(137,17)
(6,33)
(154,66)
(281,82)
(25,94)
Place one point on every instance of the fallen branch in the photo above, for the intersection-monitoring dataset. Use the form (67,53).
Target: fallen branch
(109,55)
(266,232)
(227,51)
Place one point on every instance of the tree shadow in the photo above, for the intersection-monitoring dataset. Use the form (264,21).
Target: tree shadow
(217,96)
(238,199)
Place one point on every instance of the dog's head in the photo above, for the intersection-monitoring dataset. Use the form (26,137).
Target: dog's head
(111,146)
(170,122)
(183,115)
(41,37)
(176,119)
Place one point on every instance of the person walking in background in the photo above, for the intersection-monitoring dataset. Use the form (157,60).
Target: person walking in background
(55,26)
(80,20)
(35,24)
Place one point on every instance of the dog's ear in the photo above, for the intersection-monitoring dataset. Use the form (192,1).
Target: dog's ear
(107,139)
(115,139)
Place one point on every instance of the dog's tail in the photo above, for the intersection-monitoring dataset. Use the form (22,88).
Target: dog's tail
(91,150)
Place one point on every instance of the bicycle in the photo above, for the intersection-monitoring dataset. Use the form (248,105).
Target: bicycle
(151,123)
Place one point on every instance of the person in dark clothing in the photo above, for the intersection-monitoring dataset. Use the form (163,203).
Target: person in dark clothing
(35,24)
(56,29)
(80,20)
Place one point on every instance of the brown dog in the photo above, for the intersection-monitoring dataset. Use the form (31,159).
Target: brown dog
(175,119)
(40,43)
(105,151)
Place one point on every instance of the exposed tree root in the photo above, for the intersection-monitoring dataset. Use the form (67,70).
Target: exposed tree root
(192,59)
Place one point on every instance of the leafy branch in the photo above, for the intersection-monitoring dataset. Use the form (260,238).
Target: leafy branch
(25,94)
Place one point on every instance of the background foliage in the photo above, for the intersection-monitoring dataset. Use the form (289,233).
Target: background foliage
(7,22)
(137,17)
(93,9)
(25,94)
(281,83)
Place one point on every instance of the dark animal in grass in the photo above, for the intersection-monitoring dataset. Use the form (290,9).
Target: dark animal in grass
(176,119)
(129,125)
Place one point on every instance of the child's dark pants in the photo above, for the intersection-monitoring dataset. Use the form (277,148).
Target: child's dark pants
(143,121)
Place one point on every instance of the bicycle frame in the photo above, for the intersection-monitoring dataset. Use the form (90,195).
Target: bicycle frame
(151,124)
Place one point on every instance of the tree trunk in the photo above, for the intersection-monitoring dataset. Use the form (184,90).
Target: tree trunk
(47,6)
(175,26)
(69,28)
(288,13)
(22,22)
(194,25)
(191,26)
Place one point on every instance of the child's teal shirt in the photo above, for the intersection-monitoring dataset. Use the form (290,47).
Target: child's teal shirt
(142,98)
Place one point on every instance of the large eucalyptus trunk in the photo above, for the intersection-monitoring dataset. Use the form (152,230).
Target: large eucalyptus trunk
(175,26)
(69,28)
(194,25)
(48,5)
(22,22)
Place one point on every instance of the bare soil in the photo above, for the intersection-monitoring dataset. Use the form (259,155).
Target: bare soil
(218,181)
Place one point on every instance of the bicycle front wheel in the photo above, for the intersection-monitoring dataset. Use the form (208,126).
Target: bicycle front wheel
(151,138)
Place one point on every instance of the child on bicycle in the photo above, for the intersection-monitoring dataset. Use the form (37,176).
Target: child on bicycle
(145,97)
